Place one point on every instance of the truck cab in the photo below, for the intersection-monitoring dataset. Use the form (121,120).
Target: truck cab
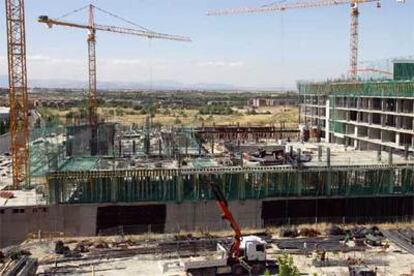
(253,249)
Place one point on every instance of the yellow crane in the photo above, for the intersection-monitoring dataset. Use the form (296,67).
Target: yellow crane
(18,97)
(275,7)
(92,27)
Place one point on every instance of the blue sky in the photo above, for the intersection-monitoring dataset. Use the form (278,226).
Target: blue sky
(258,50)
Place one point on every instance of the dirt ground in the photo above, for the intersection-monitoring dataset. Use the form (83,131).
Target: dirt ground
(392,260)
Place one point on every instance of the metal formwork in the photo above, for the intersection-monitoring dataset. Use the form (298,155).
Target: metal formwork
(238,183)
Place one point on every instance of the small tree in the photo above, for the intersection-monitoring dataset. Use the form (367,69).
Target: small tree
(287,266)
(177,121)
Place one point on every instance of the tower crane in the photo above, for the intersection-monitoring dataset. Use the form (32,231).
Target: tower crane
(92,27)
(273,7)
(19,120)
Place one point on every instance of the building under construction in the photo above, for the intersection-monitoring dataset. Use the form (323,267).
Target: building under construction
(157,179)
(373,115)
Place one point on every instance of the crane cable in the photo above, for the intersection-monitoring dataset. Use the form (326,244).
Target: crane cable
(107,13)
(122,19)
(73,12)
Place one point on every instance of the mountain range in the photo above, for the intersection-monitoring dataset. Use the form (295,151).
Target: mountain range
(114,85)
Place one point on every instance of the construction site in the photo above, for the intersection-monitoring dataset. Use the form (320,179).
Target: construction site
(329,194)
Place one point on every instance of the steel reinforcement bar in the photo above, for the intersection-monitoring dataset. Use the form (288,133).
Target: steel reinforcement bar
(213,170)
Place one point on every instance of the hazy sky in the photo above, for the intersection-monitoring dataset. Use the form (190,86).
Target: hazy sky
(257,50)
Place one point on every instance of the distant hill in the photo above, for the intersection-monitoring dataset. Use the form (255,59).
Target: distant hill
(158,84)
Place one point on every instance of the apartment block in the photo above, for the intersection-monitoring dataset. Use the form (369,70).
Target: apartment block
(372,115)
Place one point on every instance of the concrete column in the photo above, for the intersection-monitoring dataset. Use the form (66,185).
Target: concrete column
(390,157)
(328,157)
(406,151)
(397,138)
(327,118)
(319,153)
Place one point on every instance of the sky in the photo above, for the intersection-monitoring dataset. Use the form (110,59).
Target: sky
(264,50)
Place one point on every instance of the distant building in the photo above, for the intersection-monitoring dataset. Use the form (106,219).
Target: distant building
(4,113)
(261,102)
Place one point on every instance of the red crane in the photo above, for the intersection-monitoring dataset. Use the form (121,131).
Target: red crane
(222,203)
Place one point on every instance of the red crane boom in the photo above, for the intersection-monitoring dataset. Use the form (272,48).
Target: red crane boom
(222,203)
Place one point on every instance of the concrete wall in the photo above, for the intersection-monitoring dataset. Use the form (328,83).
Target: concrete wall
(16,223)
(206,215)
(80,220)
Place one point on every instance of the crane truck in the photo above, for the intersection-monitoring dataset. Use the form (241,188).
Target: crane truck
(245,256)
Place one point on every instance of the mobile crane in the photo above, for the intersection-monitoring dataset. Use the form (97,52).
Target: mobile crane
(245,256)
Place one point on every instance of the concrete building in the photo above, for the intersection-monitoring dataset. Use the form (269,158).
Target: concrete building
(261,102)
(374,115)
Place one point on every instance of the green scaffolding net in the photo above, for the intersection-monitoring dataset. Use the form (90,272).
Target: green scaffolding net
(349,89)
(144,186)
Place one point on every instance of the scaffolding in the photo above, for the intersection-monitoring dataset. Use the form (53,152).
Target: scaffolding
(369,88)
(238,183)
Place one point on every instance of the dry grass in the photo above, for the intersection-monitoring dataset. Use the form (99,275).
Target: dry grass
(189,117)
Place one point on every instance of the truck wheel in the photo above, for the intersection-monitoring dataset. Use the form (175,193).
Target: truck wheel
(210,272)
(237,269)
(194,272)
(258,269)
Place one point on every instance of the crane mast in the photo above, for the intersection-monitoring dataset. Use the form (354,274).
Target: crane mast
(354,40)
(92,96)
(19,120)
